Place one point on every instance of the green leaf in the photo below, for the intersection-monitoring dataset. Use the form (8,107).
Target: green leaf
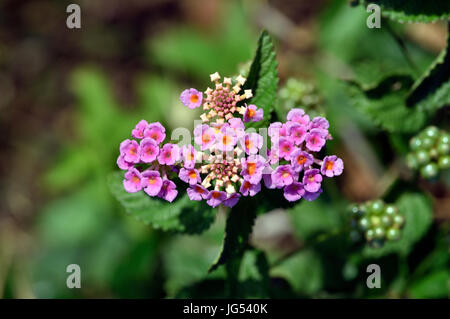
(263,78)
(413,10)
(304,271)
(432,89)
(435,285)
(384,103)
(182,215)
(311,219)
(238,228)
(418,217)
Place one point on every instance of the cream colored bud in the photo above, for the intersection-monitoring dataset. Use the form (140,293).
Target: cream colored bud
(241,80)
(215,77)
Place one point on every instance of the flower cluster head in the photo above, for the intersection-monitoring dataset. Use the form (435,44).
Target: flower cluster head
(148,162)
(293,152)
(227,161)
(377,221)
(430,152)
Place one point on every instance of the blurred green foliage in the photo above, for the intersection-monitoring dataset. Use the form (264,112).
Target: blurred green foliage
(121,257)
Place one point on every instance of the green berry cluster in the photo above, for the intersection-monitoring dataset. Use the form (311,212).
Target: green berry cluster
(377,222)
(296,93)
(430,152)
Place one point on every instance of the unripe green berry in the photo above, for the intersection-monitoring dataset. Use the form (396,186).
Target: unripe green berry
(369,234)
(379,232)
(443,148)
(433,153)
(399,220)
(377,243)
(393,234)
(427,143)
(444,162)
(390,210)
(431,132)
(444,138)
(364,223)
(386,221)
(376,207)
(411,161)
(415,143)
(422,157)
(429,171)
(375,220)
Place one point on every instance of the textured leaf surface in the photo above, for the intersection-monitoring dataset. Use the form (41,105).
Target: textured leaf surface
(413,10)
(418,215)
(432,90)
(263,78)
(385,104)
(182,215)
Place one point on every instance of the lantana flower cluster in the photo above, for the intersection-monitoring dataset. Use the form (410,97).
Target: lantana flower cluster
(293,153)
(149,162)
(226,161)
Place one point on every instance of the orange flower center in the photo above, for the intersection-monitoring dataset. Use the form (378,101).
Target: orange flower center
(226,140)
(251,113)
(135,179)
(285,174)
(301,159)
(194,98)
(133,151)
(191,156)
(152,180)
(251,167)
(329,166)
(248,144)
(206,138)
(192,174)
(215,195)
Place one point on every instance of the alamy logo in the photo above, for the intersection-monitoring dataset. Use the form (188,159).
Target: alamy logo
(374,279)
(374,20)
(74,279)
(74,19)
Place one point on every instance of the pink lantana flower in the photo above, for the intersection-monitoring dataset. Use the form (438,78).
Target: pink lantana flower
(285,148)
(133,181)
(332,166)
(315,140)
(252,168)
(191,98)
(215,198)
(284,175)
(148,150)
(189,155)
(153,181)
(251,143)
(122,163)
(190,176)
(320,123)
(312,196)
(169,154)
(130,150)
(226,140)
(294,191)
(297,132)
(204,136)
(232,200)
(138,132)
(156,132)
(197,192)
(301,159)
(253,114)
(312,180)
(248,188)
(168,190)
(298,116)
